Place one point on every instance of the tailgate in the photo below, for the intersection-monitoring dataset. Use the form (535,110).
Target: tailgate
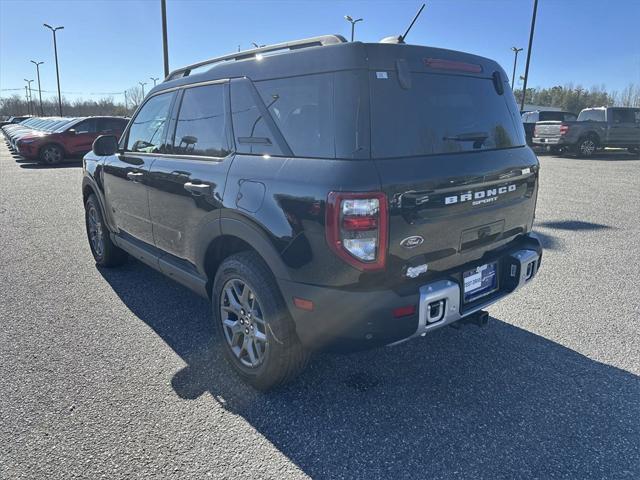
(456,207)
(548,129)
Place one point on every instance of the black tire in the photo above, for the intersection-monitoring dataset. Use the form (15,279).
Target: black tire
(586,146)
(105,252)
(51,154)
(283,356)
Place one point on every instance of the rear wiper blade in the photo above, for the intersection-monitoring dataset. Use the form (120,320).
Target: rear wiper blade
(477,138)
(468,137)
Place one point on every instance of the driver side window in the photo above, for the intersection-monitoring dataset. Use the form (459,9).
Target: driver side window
(147,132)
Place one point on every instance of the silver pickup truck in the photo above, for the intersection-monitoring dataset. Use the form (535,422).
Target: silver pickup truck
(595,128)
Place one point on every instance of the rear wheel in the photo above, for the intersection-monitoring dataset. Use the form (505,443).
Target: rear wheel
(253,325)
(586,147)
(51,154)
(105,252)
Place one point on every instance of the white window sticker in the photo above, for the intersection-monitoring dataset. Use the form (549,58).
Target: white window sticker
(472,282)
(382,75)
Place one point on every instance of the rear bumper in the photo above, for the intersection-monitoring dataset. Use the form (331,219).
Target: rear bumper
(351,320)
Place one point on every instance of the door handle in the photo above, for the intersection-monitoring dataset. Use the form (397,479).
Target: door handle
(198,188)
(135,176)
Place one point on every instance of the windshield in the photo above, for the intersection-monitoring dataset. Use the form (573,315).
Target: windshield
(439,114)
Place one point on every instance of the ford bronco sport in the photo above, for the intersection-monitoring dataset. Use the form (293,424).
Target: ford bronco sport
(323,193)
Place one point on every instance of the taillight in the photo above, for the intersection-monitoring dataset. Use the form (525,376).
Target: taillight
(535,131)
(564,129)
(356,228)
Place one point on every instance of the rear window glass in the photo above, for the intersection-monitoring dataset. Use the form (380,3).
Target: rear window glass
(440,114)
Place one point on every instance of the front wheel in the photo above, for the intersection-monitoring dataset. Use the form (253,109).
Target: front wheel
(253,325)
(51,154)
(105,252)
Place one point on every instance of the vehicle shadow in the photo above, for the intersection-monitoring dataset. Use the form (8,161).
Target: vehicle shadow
(498,402)
(575,225)
(609,156)
(42,166)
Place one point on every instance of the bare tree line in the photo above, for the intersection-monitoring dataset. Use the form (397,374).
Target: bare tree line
(566,97)
(574,99)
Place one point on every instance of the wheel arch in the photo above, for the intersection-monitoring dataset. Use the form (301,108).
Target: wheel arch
(236,236)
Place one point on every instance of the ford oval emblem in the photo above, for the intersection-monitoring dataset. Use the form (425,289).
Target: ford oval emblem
(412,242)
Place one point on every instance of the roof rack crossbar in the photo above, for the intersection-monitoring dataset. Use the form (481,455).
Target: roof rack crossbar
(322,40)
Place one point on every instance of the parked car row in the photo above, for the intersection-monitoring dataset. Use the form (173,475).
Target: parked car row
(592,130)
(14,119)
(52,139)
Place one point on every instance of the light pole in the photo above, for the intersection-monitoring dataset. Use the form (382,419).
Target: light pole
(353,22)
(26,94)
(37,64)
(526,70)
(142,84)
(165,45)
(155,79)
(29,99)
(515,61)
(55,50)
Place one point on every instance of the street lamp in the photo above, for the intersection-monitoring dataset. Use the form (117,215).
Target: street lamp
(142,84)
(526,69)
(29,95)
(155,79)
(353,22)
(515,61)
(55,50)
(37,64)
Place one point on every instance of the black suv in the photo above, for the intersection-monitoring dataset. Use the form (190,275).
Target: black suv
(323,193)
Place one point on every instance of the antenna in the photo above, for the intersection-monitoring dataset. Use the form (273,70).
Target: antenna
(402,38)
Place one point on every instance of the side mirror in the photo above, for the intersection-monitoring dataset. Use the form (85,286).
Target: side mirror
(71,131)
(105,145)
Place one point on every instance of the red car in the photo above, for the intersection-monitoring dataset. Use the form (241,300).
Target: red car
(73,138)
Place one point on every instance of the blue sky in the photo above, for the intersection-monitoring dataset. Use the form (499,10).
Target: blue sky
(109,46)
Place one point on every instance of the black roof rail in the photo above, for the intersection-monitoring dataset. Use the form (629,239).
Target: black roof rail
(322,40)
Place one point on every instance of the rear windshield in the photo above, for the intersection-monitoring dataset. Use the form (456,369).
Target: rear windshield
(439,114)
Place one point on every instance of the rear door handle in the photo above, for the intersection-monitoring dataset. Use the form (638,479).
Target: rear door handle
(198,188)
(135,176)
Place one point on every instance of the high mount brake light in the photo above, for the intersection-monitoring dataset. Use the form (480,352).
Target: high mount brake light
(356,227)
(442,64)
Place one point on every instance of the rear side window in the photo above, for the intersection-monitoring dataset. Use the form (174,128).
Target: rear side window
(322,115)
(147,131)
(250,122)
(302,108)
(440,114)
(622,116)
(201,126)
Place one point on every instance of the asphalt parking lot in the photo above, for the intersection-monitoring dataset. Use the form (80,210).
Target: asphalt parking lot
(113,373)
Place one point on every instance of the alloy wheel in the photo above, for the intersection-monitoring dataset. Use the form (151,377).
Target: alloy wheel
(587,147)
(243,324)
(96,235)
(52,155)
